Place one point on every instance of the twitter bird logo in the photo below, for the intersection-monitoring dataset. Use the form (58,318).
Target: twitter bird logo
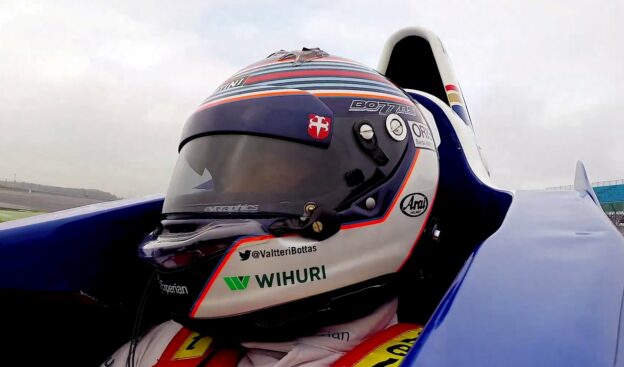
(244,255)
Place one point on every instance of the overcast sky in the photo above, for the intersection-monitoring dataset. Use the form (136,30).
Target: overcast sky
(95,94)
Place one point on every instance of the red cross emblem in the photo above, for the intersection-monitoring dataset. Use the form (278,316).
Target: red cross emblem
(319,126)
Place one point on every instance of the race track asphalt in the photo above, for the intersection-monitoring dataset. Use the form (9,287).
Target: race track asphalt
(36,201)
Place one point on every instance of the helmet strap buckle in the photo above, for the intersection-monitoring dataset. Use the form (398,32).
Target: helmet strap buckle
(321,224)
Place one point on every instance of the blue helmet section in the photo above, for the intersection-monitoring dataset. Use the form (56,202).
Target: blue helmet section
(276,96)
(284,116)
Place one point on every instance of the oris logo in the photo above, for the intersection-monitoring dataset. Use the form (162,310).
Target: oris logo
(414,205)
(422,135)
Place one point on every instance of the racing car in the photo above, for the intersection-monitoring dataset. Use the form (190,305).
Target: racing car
(505,278)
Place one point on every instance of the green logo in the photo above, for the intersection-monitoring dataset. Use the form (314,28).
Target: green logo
(278,279)
(238,283)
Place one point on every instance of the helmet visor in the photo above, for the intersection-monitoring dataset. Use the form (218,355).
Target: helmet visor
(247,174)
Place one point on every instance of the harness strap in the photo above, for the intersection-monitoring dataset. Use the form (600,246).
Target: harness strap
(191,349)
(384,349)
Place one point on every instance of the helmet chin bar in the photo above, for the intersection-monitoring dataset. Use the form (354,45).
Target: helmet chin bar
(302,317)
(320,225)
(182,242)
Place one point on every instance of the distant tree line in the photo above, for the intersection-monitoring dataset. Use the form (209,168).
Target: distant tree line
(56,190)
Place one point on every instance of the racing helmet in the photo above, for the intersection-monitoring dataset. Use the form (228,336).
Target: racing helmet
(302,186)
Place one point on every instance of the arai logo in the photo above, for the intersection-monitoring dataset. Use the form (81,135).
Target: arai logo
(414,205)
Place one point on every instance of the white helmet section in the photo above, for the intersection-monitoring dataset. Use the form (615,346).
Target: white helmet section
(263,272)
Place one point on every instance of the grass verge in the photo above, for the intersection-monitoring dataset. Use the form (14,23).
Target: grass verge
(9,214)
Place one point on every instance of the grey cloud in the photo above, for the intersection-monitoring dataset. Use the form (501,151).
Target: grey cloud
(95,94)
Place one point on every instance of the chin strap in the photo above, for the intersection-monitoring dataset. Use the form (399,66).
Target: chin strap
(320,225)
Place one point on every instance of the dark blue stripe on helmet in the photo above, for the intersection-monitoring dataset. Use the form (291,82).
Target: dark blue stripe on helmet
(328,79)
(284,117)
(354,87)
(240,90)
(363,86)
